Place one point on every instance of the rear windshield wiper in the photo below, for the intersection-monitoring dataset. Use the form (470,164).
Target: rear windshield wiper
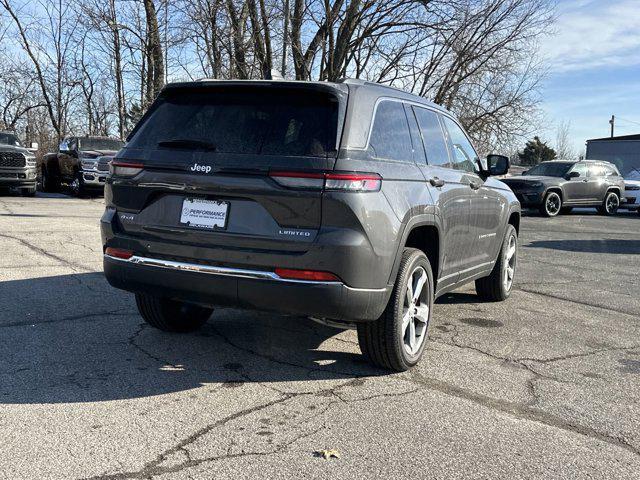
(188,143)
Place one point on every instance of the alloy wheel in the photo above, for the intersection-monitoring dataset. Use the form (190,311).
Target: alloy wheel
(510,263)
(612,203)
(553,204)
(415,316)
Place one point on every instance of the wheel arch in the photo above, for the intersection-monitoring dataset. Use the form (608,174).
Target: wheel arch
(514,219)
(556,189)
(614,189)
(423,234)
(50,162)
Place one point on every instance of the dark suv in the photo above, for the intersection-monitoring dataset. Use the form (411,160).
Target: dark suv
(559,185)
(351,203)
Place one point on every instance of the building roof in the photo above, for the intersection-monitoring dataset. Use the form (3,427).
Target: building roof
(618,138)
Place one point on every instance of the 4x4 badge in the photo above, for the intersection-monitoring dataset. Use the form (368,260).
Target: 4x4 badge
(201,168)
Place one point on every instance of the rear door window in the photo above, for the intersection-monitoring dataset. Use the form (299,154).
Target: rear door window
(243,121)
(433,137)
(390,138)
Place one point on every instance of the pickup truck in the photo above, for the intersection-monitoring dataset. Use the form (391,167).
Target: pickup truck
(81,163)
(17,165)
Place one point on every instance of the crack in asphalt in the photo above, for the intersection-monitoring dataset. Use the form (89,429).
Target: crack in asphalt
(521,411)
(72,318)
(73,266)
(578,302)
(155,467)
(517,361)
(528,412)
(577,355)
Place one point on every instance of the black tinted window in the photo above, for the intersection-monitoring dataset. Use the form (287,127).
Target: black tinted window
(100,144)
(433,137)
(550,169)
(266,122)
(9,139)
(390,136)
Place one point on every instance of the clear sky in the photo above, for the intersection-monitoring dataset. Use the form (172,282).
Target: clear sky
(595,69)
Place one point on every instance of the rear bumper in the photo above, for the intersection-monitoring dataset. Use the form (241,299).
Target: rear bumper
(259,290)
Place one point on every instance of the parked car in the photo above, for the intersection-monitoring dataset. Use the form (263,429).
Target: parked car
(81,163)
(17,165)
(632,191)
(350,202)
(557,186)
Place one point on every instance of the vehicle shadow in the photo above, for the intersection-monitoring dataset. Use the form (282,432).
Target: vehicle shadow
(458,298)
(581,212)
(612,246)
(73,338)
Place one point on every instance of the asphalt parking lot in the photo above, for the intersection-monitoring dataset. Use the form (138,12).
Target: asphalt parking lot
(546,384)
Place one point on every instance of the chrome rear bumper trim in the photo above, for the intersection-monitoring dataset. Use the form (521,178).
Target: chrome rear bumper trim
(213,270)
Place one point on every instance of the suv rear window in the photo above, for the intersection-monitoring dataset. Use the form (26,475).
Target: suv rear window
(242,121)
(100,144)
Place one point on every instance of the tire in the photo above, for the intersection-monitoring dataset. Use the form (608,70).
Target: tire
(566,210)
(171,315)
(50,181)
(551,204)
(389,342)
(610,204)
(497,286)
(77,186)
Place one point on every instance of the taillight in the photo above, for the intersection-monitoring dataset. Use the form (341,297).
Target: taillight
(118,253)
(125,169)
(311,275)
(349,182)
(303,180)
(353,182)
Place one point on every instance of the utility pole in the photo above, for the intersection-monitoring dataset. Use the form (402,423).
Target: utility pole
(612,122)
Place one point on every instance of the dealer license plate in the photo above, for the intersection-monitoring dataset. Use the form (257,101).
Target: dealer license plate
(199,213)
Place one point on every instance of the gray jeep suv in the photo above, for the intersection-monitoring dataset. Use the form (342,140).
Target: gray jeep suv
(349,202)
(559,185)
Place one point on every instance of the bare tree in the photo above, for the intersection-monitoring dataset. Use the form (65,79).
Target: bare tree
(155,56)
(477,58)
(564,147)
(47,47)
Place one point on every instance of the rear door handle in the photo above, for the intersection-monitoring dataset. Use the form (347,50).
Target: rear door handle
(436,182)
(475,185)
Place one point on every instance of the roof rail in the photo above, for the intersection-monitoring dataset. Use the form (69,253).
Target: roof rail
(359,81)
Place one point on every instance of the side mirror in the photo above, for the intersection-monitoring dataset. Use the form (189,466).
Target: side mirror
(571,175)
(498,165)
